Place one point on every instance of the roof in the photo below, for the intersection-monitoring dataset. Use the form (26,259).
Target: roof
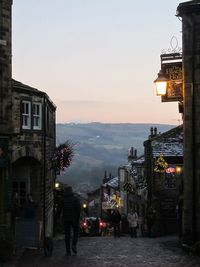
(114,182)
(168,144)
(188,7)
(21,86)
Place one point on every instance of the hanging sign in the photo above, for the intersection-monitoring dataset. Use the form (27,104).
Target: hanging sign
(171,66)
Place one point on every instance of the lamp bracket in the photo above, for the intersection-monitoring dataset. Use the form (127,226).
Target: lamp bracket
(174,47)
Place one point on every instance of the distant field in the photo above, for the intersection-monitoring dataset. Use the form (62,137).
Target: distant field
(102,146)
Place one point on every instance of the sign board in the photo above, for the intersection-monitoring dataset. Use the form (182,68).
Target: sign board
(171,66)
(28,233)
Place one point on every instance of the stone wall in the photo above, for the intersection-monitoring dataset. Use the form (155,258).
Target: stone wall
(190,13)
(5,66)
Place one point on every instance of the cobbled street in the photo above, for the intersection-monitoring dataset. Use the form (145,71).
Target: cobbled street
(107,251)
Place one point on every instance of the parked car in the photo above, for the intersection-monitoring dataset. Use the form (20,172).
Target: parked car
(91,226)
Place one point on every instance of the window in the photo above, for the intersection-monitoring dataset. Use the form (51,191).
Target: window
(26,115)
(170,181)
(37,116)
(19,187)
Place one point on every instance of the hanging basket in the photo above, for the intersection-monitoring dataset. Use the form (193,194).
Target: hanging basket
(62,157)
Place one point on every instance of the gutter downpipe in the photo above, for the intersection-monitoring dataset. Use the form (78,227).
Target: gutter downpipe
(193,133)
(44,167)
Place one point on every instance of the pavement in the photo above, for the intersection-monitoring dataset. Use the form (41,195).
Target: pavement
(110,252)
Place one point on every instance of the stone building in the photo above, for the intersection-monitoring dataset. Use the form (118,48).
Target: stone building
(133,188)
(163,164)
(27,138)
(190,13)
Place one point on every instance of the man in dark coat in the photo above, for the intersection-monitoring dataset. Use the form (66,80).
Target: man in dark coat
(70,207)
(115,221)
(30,208)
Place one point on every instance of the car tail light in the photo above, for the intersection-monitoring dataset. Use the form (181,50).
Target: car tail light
(101,224)
(84,224)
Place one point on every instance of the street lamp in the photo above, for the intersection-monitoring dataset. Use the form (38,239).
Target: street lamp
(161,84)
(57,185)
(84,206)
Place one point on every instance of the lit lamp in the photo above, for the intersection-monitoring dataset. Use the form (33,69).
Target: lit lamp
(178,169)
(161,84)
(57,185)
(84,206)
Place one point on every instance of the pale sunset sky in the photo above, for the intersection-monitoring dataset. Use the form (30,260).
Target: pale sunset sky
(96,59)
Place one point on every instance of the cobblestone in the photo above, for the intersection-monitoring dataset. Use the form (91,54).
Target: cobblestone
(110,252)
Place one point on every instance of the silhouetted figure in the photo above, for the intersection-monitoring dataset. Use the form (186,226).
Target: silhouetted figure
(115,220)
(151,218)
(30,208)
(15,209)
(70,207)
(96,226)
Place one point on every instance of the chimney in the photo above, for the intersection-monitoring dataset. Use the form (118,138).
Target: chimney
(105,179)
(131,154)
(155,131)
(131,151)
(135,153)
(151,133)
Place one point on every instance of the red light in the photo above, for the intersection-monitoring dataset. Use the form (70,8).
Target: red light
(85,224)
(101,224)
(170,170)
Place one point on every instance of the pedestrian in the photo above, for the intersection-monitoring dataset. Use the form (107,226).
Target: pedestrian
(70,208)
(142,225)
(151,218)
(133,223)
(30,207)
(15,210)
(115,220)
(96,226)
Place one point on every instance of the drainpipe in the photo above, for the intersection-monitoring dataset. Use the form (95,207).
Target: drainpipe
(44,167)
(193,133)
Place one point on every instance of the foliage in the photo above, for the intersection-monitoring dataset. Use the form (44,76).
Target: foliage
(160,164)
(63,156)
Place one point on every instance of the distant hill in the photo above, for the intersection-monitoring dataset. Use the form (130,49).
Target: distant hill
(101,146)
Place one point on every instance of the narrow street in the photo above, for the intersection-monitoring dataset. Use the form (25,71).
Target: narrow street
(107,251)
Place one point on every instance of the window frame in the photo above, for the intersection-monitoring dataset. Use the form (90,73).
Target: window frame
(35,127)
(28,115)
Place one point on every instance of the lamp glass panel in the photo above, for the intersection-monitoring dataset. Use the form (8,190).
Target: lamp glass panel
(161,88)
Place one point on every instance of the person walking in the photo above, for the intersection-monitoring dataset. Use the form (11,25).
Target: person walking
(70,208)
(30,207)
(133,223)
(115,220)
(15,210)
(151,218)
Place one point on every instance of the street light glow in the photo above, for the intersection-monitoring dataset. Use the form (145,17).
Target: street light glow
(57,185)
(161,84)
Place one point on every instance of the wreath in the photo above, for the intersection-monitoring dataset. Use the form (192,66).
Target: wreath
(160,164)
(63,156)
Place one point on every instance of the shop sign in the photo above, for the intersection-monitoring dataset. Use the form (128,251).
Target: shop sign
(173,71)
(170,169)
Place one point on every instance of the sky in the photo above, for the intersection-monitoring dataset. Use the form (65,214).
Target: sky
(96,59)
